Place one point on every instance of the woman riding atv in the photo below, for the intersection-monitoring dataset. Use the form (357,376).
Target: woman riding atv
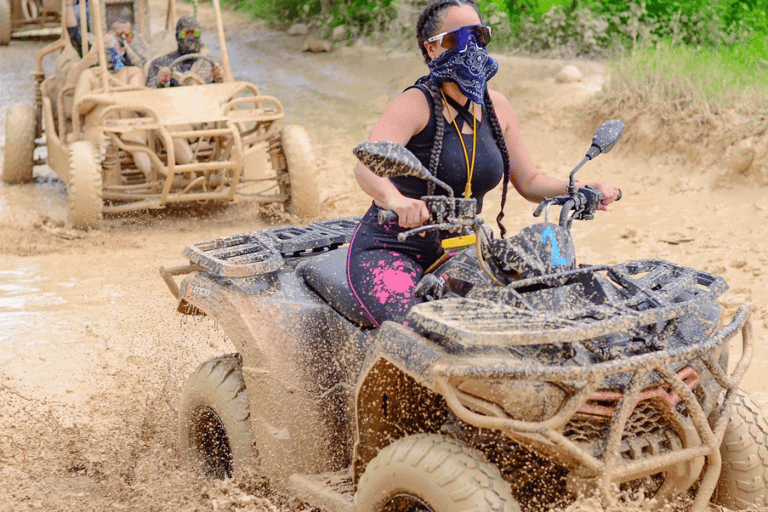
(465,134)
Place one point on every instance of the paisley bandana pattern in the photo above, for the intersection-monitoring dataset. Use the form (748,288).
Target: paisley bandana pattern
(470,69)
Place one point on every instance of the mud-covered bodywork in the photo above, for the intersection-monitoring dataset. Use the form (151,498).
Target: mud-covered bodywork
(300,354)
(611,373)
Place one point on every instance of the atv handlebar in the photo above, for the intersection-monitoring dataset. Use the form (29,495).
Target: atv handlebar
(454,214)
(580,205)
(446,213)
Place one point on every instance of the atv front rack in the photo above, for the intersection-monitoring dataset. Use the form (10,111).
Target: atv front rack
(638,293)
(265,251)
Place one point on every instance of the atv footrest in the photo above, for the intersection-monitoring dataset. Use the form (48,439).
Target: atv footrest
(262,252)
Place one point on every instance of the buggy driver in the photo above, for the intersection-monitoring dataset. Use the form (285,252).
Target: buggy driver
(188,40)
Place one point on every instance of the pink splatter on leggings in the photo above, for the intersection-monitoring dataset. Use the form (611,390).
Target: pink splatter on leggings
(383,272)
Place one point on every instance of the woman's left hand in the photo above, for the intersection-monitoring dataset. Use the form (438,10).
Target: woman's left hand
(611,193)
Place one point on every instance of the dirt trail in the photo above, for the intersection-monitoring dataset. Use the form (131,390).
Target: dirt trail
(93,355)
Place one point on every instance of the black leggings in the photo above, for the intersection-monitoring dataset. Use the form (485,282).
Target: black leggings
(383,271)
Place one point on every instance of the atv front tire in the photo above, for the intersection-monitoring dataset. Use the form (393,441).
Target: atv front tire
(214,428)
(744,475)
(20,125)
(431,473)
(304,201)
(84,185)
(5,24)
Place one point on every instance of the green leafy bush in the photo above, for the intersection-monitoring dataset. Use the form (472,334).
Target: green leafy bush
(364,15)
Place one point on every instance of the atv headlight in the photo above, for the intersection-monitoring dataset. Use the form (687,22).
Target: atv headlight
(522,400)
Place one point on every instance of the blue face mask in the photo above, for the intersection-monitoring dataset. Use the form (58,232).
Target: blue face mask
(470,69)
(114,59)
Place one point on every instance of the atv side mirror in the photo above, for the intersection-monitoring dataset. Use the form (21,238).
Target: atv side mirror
(602,142)
(605,137)
(390,160)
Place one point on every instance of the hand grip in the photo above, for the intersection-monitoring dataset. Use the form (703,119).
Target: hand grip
(385,216)
(619,197)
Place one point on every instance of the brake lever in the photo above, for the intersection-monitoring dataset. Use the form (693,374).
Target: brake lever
(549,201)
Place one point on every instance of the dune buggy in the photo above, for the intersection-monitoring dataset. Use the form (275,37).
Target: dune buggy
(523,380)
(93,141)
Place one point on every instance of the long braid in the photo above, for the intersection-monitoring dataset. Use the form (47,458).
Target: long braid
(437,145)
(500,142)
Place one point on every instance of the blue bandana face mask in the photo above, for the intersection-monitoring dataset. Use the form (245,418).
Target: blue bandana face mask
(470,69)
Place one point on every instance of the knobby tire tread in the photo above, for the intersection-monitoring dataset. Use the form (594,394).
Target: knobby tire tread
(454,477)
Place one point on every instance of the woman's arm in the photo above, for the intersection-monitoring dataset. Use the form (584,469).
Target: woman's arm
(406,116)
(523,174)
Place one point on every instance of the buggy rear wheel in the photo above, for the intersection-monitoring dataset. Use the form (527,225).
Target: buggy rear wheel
(744,475)
(84,185)
(19,144)
(214,428)
(304,200)
(5,23)
(431,473)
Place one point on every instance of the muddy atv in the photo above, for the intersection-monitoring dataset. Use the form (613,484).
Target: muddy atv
(94,141)
(522,380)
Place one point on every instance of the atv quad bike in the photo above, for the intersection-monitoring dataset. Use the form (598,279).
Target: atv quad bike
(521,374)
(231,130)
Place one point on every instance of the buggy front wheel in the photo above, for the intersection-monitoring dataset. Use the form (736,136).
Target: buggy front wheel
(304,200)
(84,185)
(431,473)
(20,126)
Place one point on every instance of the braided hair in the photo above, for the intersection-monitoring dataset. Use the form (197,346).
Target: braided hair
(427,26)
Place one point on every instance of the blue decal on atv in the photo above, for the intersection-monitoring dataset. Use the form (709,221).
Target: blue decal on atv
(557,259)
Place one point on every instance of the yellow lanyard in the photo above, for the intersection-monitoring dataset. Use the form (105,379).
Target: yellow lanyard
(470,167)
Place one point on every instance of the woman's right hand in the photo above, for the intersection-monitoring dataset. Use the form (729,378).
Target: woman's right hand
(411,213)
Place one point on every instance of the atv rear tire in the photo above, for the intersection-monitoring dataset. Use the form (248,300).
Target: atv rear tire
(431,473)
(214,428)
(84,185)
(5,25)
(304,200)
(19,144)
(744,474)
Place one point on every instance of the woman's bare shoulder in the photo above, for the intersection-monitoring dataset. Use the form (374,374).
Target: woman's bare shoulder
(503,107)
(405,116)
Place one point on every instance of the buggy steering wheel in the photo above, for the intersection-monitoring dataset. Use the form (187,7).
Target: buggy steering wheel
(190,77)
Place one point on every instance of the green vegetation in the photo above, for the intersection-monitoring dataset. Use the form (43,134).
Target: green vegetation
(678,79)
(364,16)
(694,54)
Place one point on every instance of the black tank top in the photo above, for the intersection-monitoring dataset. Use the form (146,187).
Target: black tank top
(452,166)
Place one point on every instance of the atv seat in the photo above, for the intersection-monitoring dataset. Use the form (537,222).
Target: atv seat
(327,275)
